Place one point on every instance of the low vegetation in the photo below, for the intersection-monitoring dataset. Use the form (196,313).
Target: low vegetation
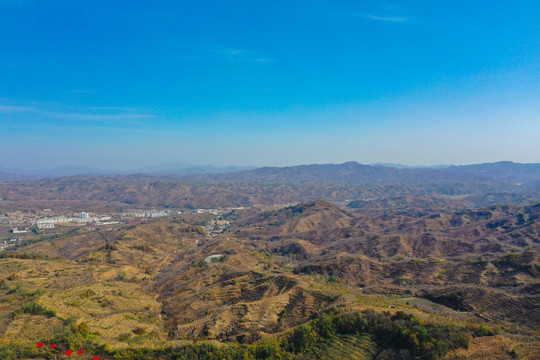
(400,333)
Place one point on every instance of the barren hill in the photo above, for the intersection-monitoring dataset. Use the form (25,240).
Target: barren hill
(273,271)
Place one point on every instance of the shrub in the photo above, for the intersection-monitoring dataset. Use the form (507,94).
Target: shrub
(86,294)
(35,309)
(139,331)
(325,326)
(482,330)
(200,264)
(332,280)
(17,290)
(103,302)
(110,247)
(13,277)
(302,338)
(125,337)
(121,276)
(144,248)
(81,328)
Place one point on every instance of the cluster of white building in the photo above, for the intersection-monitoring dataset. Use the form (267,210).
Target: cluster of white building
(217,211)
(83,218)
(152,213)
(16,230)
(87,218)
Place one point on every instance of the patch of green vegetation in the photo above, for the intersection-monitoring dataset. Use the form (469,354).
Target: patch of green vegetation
(400,332)
(332,335)
(24,256)
(201,264)
(74,335)
(34,309)
(143,338)
(482,330)
(332,280)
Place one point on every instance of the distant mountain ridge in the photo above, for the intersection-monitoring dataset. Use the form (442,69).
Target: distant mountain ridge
(185,169)
(480,184)
(403,166)
(15,177)
(16,174)
(353,173)
(350,172)
(506,171)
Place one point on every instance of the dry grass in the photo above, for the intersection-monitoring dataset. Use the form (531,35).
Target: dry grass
(86,293)
(497,348)
(30,328)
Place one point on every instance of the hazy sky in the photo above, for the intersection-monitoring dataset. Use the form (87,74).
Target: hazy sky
(123,84)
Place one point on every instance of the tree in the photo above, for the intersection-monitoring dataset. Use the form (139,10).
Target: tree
(303,338)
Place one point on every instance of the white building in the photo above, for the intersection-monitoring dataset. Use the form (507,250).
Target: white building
(152,213)
(54,220)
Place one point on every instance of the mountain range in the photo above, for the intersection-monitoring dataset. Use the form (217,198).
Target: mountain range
(350,172)
(16,174)
(453,187)
(354,173)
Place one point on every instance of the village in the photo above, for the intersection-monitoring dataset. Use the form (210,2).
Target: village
(19,226)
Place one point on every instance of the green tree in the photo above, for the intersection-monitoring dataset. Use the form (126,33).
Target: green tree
(303,338)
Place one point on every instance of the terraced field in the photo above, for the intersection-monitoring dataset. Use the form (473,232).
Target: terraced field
(346,347)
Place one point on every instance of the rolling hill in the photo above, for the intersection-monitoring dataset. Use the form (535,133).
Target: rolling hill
(271,186)
(272,272)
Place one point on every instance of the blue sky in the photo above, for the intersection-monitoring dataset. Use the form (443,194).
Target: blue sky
(123,84)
